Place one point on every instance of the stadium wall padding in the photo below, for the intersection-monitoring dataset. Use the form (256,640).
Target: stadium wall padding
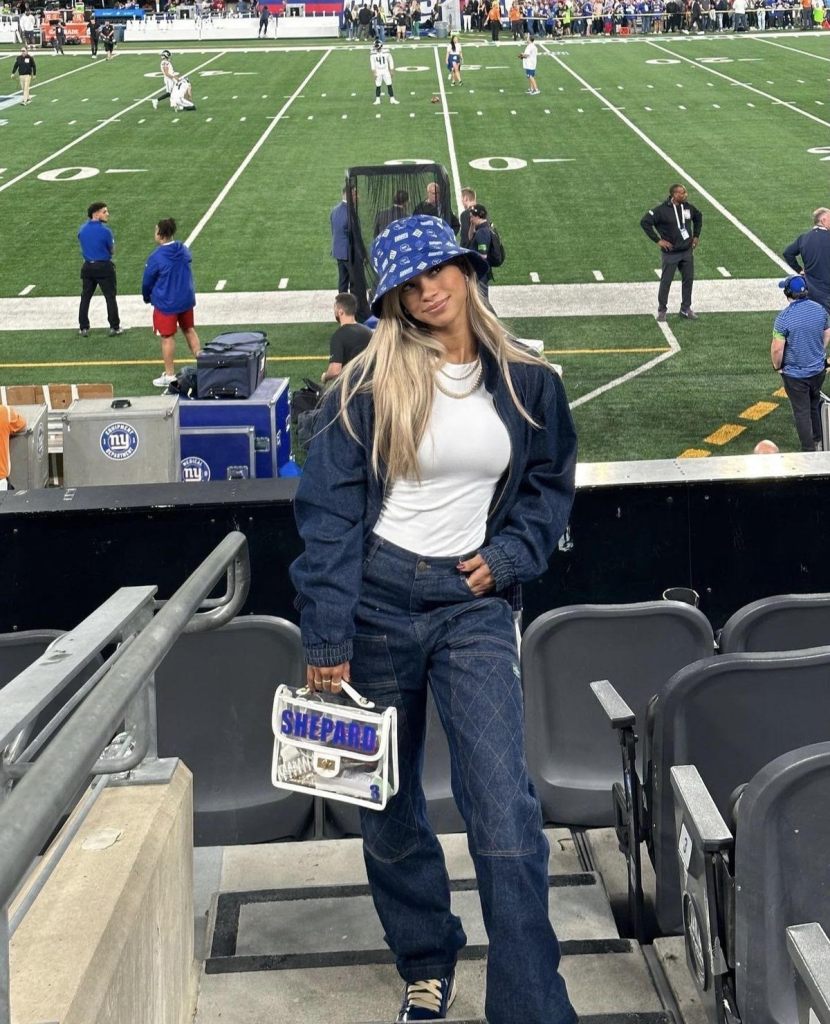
(733,541)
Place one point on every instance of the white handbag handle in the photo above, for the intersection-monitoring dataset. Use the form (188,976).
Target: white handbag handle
(349,690)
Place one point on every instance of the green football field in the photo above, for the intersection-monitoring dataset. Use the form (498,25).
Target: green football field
(252,175)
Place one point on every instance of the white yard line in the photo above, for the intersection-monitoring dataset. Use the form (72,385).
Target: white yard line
(674,348)
(454,173)
(66,74)
(765,249)
(736,81)
(237,174)
(92,131)
(792,49)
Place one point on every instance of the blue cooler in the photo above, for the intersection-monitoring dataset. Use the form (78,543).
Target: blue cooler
(267,411)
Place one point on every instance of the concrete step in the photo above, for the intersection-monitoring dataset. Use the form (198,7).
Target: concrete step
(294,936)
(617,984)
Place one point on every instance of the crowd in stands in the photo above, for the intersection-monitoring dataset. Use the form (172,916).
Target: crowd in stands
(402,18)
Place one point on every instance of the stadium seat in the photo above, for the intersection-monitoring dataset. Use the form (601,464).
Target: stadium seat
(728,716)
(441,809)
(810,953)
(741,892)
(639,647)
(214,692)
(19,650)
(788,622)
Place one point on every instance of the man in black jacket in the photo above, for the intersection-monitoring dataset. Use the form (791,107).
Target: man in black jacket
(675,226)
(814,249)
(25,68)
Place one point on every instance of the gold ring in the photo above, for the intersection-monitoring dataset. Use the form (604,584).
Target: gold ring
(325,679)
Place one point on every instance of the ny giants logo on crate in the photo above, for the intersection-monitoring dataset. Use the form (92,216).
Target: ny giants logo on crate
(195,470)
(119,441)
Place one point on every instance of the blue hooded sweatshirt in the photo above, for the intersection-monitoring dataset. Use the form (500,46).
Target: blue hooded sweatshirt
(168,279)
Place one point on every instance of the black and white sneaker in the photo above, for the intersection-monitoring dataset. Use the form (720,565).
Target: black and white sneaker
(427,1000)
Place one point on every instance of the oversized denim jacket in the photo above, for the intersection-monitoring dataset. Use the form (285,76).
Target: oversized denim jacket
(339,500)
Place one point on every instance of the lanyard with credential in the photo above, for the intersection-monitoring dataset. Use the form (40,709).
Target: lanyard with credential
(677,216)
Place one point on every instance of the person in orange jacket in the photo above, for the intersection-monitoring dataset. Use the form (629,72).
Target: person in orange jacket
(11,422)
(494,20)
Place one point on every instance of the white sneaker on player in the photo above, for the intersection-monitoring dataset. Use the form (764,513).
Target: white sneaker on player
(164,380)
(393,100)
(155,103)
(377,102)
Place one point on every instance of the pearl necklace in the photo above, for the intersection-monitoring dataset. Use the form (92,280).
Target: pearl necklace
(462,394)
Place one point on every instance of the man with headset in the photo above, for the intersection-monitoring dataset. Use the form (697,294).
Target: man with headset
(798,352)
(675,226)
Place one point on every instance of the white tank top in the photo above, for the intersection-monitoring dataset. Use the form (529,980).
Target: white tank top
(462,456)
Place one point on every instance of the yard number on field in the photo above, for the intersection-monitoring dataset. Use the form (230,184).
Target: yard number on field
(79,173)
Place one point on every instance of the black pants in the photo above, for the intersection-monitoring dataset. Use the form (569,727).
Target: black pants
(671,261)
(495,28)
(804,394)
(93,43)
(100,273)
(344,279)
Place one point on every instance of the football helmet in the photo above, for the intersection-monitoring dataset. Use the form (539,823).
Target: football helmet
(166,55)
(378,44)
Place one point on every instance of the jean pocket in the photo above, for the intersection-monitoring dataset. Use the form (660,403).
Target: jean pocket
(372,670)
(372,549)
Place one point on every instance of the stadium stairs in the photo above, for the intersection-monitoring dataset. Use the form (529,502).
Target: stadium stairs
(287,932)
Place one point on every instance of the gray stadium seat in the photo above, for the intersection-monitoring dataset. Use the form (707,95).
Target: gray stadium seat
(788,622)
(214,693)
(441,809)
(740,895)
(810,953)
(19,650)
(728,716)
(638,647)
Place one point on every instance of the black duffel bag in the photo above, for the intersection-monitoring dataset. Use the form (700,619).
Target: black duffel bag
(305,399)
(232,365)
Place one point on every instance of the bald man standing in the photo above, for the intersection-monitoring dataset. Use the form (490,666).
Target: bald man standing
(814,249)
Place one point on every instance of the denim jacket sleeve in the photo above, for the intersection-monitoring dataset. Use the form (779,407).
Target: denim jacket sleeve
(330,509)
(538,504)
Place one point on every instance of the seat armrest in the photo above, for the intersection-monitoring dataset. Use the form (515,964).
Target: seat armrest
(707,828)
(619,713)
(809,950)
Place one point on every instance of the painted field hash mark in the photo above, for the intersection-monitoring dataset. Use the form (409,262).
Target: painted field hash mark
(758,411)
(723,435)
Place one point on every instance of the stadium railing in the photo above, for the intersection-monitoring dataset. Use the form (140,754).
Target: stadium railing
(47,776)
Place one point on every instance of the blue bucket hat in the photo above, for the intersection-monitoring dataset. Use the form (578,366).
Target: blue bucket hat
(411,245)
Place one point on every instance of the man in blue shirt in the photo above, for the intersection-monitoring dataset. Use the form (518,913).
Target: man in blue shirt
(98,270)
(798,351)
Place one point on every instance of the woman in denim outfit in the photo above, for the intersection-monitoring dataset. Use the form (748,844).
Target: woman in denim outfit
(442,480)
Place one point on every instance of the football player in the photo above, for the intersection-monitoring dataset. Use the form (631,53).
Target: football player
(382,66)
(170,78)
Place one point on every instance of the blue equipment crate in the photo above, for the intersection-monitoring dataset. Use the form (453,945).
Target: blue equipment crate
(217,453)
(268,411)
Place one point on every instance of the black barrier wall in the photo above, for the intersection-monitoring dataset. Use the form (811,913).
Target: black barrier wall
(734,539)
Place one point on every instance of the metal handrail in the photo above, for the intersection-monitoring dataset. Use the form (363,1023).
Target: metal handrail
(29,814)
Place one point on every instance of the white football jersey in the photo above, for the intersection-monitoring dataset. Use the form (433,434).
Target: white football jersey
(381,60)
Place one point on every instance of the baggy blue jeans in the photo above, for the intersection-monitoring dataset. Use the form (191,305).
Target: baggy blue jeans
(419,624)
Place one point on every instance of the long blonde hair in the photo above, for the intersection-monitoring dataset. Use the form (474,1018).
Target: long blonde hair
(398,368)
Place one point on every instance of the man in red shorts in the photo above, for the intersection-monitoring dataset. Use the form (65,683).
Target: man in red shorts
(168,285)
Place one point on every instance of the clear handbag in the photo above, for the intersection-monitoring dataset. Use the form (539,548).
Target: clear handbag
(340,752)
